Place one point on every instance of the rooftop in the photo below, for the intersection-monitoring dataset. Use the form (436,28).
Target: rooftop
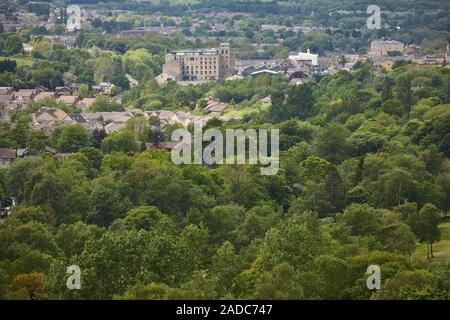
(202,52)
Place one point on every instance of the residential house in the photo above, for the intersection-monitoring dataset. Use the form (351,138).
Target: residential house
(64,90)
(85,103)
(104,87)
(168,146)
(25,95)
(48,115)
(264,71)
(163,78)
(387,62)
(432,59)
(202,120)
(184,118)
(27,48)
(133,82)
(7,156)
(50,150)
(76,117)
(165,117)
(56,153)
(6,90)
(6,100)
(69,100)
(106,117)
(114,127)
(45,94)
(215,106)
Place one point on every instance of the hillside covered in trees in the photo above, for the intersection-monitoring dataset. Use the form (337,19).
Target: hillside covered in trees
(364,179)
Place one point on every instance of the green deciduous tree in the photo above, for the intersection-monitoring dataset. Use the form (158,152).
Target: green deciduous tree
(425,225)
(72,138)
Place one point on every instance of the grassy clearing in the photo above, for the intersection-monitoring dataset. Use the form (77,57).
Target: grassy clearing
(441,249)
(240,113)
(21,61)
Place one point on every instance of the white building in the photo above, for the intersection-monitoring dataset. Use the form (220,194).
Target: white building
(305,56)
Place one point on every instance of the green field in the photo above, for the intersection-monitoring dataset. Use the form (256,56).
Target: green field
(441,249)
(240,113)
(21,61)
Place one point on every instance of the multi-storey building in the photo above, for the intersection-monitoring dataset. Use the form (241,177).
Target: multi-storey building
(206,64)
(384,47)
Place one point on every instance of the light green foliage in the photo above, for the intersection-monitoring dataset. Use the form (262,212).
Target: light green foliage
(364,179)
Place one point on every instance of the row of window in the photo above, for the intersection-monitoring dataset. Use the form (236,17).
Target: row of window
(201,59)
(201,67)
(201,72)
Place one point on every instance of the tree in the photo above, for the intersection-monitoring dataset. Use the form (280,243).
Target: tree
(257,221)
(331,277)
(19,173)
(221,222)
(425,226)
(298,104)
(404,93)
(332,143)
(395,235)
(120,141)
(37,140)
(72,138)
(293,132)
(104,66)
(27,214)
(296,240)
(97,137)
(71,238)
(201,287)
(83,91)
(225,265)
(47,76)
(335,189)
(279,284)
(393,107)
(152,291)
(8,65)
(32,284)
(361,218)
(105,202)
(198,248)
(20,132)
(144,217)
(386,92)
(13,44)
(104,104)
(409,285)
